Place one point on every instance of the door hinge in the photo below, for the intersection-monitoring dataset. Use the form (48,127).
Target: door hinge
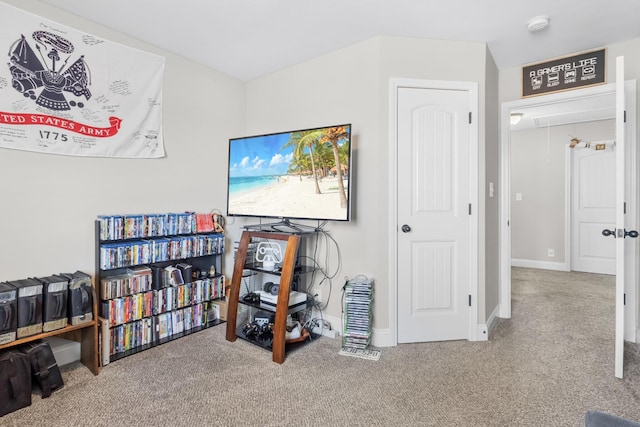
(469,300)
(625,116)
(469,117)
(624,299)
(624,207)
(469,208)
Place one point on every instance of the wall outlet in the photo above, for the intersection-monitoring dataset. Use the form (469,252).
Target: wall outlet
(551,252)
(317,291)
(325,332)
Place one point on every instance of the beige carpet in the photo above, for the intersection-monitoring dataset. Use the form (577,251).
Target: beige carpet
(546,366)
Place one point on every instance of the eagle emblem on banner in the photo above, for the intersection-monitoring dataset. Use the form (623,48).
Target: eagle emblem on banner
(45,76)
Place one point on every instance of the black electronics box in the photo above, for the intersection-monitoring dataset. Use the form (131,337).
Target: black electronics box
(54,300)
(8,313)
(157,278)
(44,368)
(187,272)
(80,308)
(15,381)
(29,307)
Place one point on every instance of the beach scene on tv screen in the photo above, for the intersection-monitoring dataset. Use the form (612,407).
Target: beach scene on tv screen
(302,174)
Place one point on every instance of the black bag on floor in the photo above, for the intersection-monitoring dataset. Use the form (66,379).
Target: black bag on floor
(44,369)
(15,381)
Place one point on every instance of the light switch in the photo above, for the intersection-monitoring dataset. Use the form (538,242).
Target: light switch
(518,196)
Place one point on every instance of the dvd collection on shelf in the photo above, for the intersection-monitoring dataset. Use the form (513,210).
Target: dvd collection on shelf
(151,315)
(154,329)
(120,227)
(358,312)
(137,252)
(145,298)
(130,297)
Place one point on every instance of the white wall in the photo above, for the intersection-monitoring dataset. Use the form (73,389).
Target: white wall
(492,201)
(510,87)
(341,87)
(49,202)
(352,85)
(458,61)
(538,173)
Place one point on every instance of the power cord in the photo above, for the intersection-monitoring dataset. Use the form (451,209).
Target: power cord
(326,276)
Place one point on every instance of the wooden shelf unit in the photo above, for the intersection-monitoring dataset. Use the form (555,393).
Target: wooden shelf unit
(278,346)
(86,334)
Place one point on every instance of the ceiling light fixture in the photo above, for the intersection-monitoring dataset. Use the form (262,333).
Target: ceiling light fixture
(515,118)
(538,23)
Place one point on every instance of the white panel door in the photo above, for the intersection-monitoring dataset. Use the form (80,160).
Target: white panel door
(593,208)
(433,214)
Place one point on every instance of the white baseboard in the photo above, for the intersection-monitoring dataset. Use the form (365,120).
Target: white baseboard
(379,337)
(483,333)
(382,338)
(486,329)
(545,265)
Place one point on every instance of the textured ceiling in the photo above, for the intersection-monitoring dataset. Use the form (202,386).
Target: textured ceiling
(251,38)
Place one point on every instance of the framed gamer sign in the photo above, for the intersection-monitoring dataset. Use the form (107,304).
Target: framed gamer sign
(567,73)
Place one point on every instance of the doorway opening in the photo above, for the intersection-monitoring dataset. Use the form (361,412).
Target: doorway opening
(563,185)
(566,106)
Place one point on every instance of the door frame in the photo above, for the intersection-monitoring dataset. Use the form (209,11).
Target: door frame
(472,89)
(631,333)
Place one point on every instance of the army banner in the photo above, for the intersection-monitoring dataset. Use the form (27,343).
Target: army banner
(63,91)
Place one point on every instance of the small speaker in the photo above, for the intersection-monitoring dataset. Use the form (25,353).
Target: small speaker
(271,288)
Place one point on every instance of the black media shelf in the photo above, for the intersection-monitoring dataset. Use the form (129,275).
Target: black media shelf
(293,276)
(298,269)
(292,309)
(153,269)
(268,344)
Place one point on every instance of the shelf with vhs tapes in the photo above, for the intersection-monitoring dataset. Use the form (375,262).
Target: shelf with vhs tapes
(159,277)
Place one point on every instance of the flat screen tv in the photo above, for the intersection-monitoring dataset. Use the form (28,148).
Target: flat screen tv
(302,174)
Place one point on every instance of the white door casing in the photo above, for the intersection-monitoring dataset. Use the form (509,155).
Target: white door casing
(631,332)
(436,190)
(593,197)
(621,198)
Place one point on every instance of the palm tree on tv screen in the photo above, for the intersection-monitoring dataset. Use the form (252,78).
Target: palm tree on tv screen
(333,136)
(324,157)
(306,140)
(299,164)
(316,141)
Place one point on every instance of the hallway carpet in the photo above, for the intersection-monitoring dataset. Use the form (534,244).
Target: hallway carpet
(546,366)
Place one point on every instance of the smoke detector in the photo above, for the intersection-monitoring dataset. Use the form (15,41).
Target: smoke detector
(538,23)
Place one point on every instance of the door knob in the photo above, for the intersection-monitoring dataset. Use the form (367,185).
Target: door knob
(633,233)
(406,228)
